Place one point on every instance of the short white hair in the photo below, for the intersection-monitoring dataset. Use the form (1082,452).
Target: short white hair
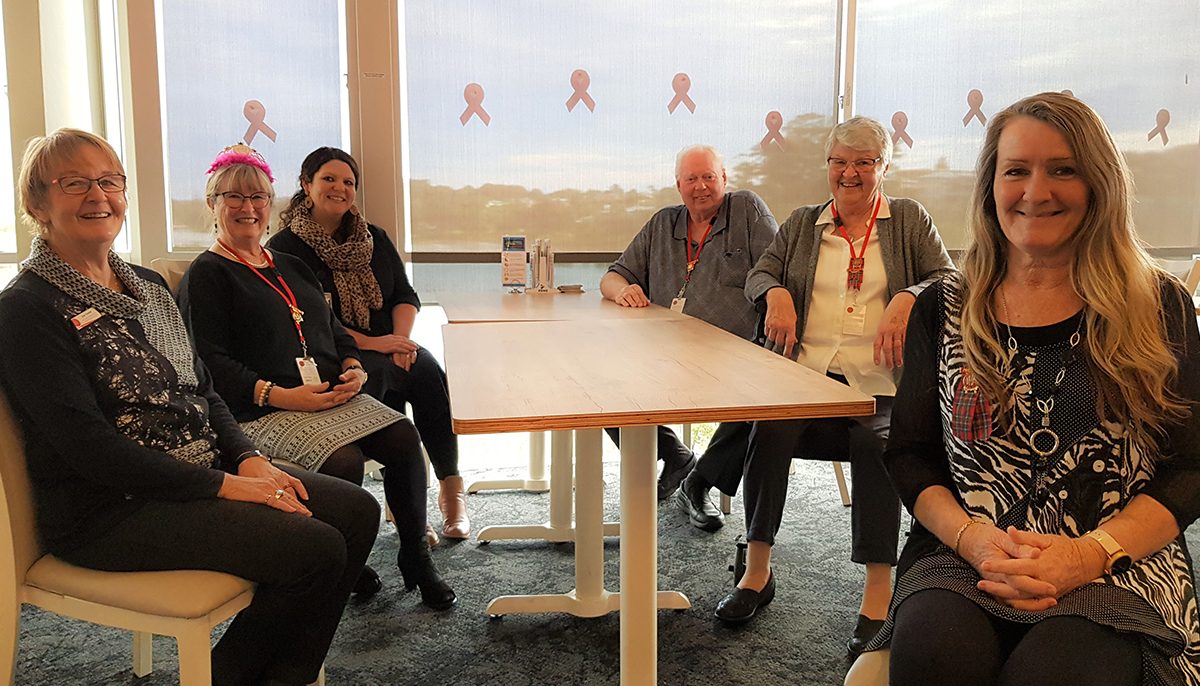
(698,148)
(862,133)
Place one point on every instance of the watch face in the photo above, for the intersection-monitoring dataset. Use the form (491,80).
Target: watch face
(1121,563)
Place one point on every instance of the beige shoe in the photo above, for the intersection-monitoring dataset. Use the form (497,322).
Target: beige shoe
(452,500)
(430,535)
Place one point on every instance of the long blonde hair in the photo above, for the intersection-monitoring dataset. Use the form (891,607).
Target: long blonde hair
(1126,341)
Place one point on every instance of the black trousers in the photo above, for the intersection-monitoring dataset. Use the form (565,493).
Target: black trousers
(942,638)
(397,447)
(424,387)
(725,458)
(304,568)
(671,450)
(875,508)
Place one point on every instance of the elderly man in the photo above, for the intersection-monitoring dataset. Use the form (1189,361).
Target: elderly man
(694,259)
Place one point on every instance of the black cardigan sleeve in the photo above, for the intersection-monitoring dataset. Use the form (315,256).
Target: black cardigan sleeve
(916,454)
(387,265)
(1176,483)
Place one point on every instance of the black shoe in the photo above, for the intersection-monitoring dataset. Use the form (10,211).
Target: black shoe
(864,631)
(416,566)
(368,583)
(692,498)
(740,606)
(673,473)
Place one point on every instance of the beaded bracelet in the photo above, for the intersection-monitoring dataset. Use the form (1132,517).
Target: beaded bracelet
(264,394)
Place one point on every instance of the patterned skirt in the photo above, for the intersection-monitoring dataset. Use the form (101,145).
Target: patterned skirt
(309,438)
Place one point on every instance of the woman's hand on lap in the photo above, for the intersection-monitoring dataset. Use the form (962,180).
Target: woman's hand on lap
(1064,564)
(390,344)
(261,490)
(308,398)
(259,467)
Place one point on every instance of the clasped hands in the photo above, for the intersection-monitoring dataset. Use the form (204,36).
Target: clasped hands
(1027,570)
(315,397)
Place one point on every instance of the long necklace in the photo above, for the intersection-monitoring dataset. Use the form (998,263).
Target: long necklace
(237,256)
(1044,441)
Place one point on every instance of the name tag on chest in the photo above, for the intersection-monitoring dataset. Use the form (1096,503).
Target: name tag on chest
(308,370)
(86,317)
(854,320)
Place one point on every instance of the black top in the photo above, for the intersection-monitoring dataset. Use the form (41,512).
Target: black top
(385,263)
(68,386)
(916,455)
(244,330)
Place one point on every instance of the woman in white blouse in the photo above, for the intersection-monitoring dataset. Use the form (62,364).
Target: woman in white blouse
(838,283)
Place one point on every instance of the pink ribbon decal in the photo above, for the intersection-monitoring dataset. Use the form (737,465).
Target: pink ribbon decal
(473,94)
(681,83)
(975,100)
(255,113)
(899,124)
(1164,118)
(580,82)
(774,123)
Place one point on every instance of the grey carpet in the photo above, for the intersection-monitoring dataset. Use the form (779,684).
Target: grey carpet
(393,640)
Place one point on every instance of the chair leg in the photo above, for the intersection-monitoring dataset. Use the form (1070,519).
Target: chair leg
(840,473)
(726,504)
(143,653)
(320,678)
(195,656)
(10,629)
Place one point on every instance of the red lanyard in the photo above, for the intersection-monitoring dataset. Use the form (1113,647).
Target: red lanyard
(854,273)
(286,293)
(693,261)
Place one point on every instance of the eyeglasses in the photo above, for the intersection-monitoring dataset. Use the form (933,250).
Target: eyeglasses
(79,185)
(839,165)
(236,200)
(708,179)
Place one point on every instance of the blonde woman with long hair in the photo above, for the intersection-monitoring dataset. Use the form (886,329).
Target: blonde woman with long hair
(1044,437)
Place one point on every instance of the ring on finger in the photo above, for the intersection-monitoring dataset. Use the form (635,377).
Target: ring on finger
(279,493)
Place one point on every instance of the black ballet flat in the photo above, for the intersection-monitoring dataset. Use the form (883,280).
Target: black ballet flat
(368,583)
(864,631)
(740,606)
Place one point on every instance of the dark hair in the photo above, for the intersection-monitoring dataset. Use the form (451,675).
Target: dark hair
(308,169)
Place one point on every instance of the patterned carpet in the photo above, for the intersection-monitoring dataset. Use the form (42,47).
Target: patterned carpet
(393,640)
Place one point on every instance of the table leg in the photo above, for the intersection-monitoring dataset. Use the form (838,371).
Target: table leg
(559,528)
(536,483)
(639,558)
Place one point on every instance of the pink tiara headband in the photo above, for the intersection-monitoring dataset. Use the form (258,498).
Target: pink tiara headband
(241,154)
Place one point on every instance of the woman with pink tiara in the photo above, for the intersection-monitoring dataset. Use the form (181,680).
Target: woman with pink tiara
(288,370)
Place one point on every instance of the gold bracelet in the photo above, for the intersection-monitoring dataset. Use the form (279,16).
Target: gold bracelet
(962,530)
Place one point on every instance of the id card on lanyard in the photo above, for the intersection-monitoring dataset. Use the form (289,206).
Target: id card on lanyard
(854,319)
(680,298)
(305,364)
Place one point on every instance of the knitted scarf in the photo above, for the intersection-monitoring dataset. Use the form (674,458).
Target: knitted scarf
(357,288)
(147,302)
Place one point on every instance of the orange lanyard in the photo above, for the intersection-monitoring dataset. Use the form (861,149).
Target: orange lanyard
(693,261)
(854,273)
(288,296)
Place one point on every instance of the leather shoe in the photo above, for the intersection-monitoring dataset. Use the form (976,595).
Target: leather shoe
(673,474)
(368,583)
(693,499)
(740,606)
(864,631)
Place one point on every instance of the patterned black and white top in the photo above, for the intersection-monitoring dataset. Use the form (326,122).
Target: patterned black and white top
(1097,469)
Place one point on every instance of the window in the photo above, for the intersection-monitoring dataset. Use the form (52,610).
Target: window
(8,216)
(562,120)
(269,73)
(1127,60)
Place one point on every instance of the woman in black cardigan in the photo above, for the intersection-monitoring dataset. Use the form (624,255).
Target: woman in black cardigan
(290,372)
(365,284)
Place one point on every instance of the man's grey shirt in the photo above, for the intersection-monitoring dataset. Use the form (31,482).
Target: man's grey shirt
(656,260)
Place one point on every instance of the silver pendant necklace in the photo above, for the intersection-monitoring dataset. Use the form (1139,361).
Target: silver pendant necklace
(1044,440)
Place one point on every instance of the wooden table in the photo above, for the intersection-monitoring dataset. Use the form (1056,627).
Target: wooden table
(467,308)
(588,374)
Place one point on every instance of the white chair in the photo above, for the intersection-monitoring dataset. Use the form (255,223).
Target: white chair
(183,604)
(870,669)
(170,269)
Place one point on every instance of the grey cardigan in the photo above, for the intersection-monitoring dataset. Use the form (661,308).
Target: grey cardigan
(913,255)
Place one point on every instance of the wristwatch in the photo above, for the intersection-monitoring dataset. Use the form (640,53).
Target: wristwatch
(1118,560)
(249,454)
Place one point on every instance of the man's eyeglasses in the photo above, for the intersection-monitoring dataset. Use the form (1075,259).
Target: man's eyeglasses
(839,165)
(236,200)
(79,185)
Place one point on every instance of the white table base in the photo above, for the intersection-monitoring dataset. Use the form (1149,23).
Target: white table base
(589,597)
(536,483)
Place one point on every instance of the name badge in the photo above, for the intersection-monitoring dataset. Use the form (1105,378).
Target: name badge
(308,370)
(677,304)
(854,320)
(86,317)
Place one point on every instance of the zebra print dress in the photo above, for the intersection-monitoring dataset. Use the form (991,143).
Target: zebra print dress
(1098,467)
